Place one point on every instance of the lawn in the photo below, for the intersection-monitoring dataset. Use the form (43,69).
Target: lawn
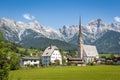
(68,73)
(107,55)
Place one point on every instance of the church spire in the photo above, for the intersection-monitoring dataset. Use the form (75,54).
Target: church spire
(80,28)
(80,41)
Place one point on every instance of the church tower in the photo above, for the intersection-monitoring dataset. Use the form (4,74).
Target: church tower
(80,41)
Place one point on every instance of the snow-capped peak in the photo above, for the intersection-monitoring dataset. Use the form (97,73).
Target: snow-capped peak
(17,30)
(20,27)
(97,23)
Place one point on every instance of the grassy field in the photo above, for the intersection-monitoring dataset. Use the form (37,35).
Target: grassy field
(68,73)
(107,55)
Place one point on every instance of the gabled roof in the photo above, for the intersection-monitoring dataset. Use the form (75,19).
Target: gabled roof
(90,50)
(49,50)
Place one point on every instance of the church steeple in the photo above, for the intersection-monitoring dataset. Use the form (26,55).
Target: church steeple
(80,41)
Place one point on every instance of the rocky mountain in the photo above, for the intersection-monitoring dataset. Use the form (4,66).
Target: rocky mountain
(33,34)
(16,31)
(93,31)
(29,33)
(68,32)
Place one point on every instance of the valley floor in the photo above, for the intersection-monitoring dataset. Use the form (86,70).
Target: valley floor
(68,73)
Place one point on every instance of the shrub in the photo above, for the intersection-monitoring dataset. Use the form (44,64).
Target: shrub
(69,63)
(91,63)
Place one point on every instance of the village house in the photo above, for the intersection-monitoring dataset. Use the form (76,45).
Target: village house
(50,55)
(30,61)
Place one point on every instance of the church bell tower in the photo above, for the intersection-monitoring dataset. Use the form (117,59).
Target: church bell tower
(80,41)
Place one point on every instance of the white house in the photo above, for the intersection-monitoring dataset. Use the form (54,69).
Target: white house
(25,61)
(50,55)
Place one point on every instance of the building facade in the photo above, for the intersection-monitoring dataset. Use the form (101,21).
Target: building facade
(90,53)
(30,61)
(51,55)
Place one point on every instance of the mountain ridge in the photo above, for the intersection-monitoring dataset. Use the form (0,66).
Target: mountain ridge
(18,31)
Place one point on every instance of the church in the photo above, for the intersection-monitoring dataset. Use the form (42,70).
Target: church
(88,53)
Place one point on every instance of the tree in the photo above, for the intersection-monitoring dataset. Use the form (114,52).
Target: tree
(57,62)
(63,60)
(26,52)
(4,66)
(1,36)
(14,62)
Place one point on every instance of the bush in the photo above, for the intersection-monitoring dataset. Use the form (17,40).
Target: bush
(91,63)
(57,62)
(69,63)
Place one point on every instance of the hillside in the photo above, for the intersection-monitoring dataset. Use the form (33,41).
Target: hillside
(41,42)
(14,48)
(109,43)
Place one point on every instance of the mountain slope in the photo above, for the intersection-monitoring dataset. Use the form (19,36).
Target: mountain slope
(109,43)
(41,42)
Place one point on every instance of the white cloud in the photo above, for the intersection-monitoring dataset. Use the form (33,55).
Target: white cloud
(117,19)
(28,17)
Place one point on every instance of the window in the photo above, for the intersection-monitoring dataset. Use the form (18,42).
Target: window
(34,60)
(25,60)
(45,56)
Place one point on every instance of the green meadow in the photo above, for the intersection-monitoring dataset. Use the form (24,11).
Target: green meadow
(68,73)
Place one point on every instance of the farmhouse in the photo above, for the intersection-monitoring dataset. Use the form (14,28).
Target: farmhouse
(50,55)
(30,61)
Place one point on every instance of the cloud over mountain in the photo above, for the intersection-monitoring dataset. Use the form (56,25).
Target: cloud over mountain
(117,19)
(28,16)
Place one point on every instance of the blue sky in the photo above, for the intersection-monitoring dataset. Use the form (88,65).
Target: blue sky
(56,13)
